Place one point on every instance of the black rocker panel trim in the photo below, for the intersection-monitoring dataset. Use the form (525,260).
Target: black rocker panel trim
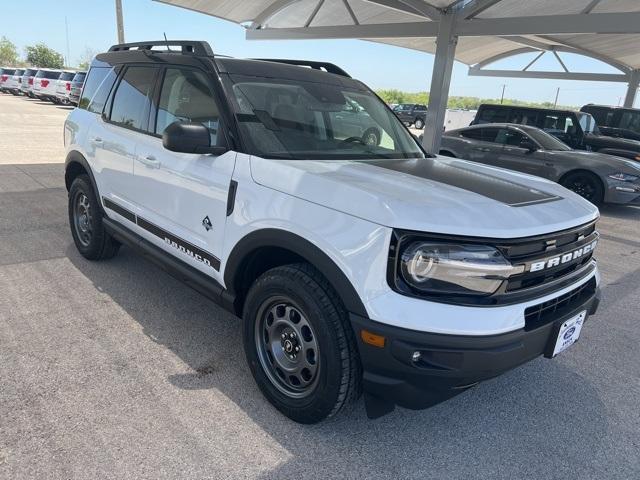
(192,277)
(178,243)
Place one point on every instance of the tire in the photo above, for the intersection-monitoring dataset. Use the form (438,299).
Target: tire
(85,220)
(419,124)
(371,137)
(291,307)
(585,184)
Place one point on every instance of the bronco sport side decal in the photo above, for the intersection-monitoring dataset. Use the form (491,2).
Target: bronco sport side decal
(170,239)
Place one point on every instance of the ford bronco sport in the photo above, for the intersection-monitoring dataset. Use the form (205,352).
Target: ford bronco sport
(356,266)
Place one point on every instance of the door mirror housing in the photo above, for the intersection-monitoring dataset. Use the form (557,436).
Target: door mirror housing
(528,145)
(190,137)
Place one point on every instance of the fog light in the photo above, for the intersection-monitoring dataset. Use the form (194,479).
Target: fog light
(415,357)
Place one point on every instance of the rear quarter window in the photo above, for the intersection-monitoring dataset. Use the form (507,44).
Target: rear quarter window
(96,89)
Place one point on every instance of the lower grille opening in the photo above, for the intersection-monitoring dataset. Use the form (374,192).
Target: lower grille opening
(545,312)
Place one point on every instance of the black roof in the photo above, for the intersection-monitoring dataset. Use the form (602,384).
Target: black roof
(522,107)
(190,51)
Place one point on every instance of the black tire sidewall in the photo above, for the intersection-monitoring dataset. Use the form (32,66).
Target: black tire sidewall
(599,192)
(420,122)
(79,186)
(322,401)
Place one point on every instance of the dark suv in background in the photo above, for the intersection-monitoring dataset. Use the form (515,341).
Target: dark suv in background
(579,130)
(616,121)
(411,114)
(76,87)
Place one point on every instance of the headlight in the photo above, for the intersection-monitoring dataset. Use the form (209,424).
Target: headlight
(624,177)
(443,268)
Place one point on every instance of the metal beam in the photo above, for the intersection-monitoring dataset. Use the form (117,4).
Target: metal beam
(564,67)
(563,46)
(533,61)
(594,77)
(528,42)
(440,82)
(314,13)
(628,22)
(502,56)
(391,30)
(351,12)
(632,91)
(591,6)
(412,7)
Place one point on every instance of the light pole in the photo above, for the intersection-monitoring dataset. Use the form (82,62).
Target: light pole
(504,86)
(555,103)
(119,21)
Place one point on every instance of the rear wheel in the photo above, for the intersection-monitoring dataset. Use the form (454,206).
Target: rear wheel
(85,219)
(299,344)
(585,184)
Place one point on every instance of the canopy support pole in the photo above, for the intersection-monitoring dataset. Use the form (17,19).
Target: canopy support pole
(632,91)
(446,43)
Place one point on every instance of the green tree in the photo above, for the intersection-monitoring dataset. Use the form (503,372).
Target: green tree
(8,52)
(39,55)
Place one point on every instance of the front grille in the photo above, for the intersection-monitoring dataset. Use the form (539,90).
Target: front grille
(543,313)
(538,248)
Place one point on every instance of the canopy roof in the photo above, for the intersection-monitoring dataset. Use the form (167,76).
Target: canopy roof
(487,30)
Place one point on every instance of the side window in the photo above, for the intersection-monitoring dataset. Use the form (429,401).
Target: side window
(490,134)
(558,123)
(186,96)
(523,116)
(493,115)
(130,107)
(511,138)
(96,88)
(630,121)
(474,134)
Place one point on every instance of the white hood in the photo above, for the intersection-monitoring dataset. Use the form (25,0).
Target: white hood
(436,195)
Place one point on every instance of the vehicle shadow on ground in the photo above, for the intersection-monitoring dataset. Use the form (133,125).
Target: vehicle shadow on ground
(621,211)
(534,421)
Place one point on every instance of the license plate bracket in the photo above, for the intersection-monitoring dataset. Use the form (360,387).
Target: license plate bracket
(565,334)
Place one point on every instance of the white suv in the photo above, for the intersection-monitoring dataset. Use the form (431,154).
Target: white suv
(356,265)
(45,83)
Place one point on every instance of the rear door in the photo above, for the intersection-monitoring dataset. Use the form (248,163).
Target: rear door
(183,197)
(117,132)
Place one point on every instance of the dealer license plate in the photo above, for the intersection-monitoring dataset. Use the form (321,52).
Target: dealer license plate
(569,332)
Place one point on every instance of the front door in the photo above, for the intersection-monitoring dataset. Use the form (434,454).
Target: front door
(183,197)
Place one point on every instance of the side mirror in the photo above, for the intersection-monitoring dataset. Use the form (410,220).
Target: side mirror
(190,137)
(528,145)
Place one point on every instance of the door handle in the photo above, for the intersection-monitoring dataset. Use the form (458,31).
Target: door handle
(480,149)
(96,140)
(149,161)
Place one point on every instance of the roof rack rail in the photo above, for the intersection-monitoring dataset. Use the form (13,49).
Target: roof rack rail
(192,47)
(328,67)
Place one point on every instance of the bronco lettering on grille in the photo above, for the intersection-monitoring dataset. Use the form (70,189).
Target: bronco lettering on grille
(556,261)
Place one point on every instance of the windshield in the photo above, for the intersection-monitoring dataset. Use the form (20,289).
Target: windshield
(547,141)
(302,120)
(588,123)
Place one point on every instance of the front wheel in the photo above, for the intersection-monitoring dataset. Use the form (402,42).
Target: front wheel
(371,137)
(585,184)
(419,124)
(299,344)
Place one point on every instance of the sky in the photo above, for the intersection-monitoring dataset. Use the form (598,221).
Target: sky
(91,25)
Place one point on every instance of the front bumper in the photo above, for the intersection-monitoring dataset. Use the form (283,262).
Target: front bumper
(450,364)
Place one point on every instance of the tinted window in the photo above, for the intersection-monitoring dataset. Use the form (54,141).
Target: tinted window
(187,97)
(19,72)
(474,133)
(509,137)
(602,115)
(523,116)
(481,134)
(79,77)
(66,76)
(96,88)
(29,72)
(588,123)
(546,141)
(490,134)
(48,74)
(558,123)
(492,115)
(7,71)
(630,121)
(131,100)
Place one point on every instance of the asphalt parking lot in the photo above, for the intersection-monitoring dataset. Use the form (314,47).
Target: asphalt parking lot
(116,370)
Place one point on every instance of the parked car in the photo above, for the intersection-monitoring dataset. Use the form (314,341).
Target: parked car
(76,87)
(63,87)
(616,121)
(26,85)
(355,267)
(353,121)
(579,130)
(5,74)
(412,114)
(45,85)
(595,176)
(12,84)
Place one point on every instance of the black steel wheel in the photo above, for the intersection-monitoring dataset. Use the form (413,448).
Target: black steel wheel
(85,219)
(585,184)
(299,344)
